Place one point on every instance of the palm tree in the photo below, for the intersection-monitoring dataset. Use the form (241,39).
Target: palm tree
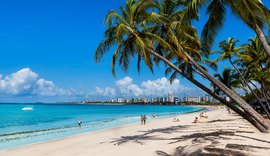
(251,12)
(134,37)
(172,32)
(243,104)
(254,61)
(177,33)
(124,31)
(229,78)
(228,50)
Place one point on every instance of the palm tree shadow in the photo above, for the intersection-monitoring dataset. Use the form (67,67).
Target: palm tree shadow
(167,130)
(135,138)
(198,137)
(208,144)
(220,120)
(147,135)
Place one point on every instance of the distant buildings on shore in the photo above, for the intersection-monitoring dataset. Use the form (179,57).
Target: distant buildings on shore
(170,99)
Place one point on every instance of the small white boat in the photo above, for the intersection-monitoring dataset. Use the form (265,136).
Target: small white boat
(27,108)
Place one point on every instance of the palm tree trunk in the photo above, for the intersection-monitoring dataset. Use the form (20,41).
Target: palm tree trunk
(207,90)
(262,39)
(264,95)
(267,94)
(246,83)
(243,104)
(231,106)
(263,92)
(266,99)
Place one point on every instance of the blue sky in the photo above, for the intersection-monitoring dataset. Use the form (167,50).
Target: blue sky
(47,52)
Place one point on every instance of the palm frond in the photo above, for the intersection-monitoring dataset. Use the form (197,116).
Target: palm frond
(216,9)
(103,47)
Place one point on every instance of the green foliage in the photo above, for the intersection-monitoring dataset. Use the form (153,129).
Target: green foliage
(250,98)
(252,12)
(127,31)
(254,62)
(229,78)
(142,27)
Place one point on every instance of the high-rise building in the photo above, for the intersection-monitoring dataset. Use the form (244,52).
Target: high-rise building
(120,100)
(176,100)
(207,98)
(170,97)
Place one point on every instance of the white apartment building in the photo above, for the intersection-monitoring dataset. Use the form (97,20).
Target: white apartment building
(193,99)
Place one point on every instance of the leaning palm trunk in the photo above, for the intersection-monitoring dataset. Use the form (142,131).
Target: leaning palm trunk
(266,99)
(262,39)
(231,106)
(265,95)
(207,90)
(243,104)
(246,83)
(263,92)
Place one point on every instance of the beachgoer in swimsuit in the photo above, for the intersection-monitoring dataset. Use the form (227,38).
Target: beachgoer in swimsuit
(196,120)
(203,116)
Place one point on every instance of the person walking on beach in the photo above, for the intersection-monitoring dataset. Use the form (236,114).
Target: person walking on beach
(229,111)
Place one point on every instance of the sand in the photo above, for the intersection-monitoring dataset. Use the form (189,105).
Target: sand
(220,134)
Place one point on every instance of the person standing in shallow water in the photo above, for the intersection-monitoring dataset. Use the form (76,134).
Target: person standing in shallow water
(144,119)
(79,123)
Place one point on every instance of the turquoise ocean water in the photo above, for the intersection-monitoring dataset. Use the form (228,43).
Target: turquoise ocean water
(21,124)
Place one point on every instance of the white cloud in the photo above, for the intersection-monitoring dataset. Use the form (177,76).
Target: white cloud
(48,88)
(27,82)
(152,88)
(127,88)
(162,87)
(124,82)
(105,92)
(21,82)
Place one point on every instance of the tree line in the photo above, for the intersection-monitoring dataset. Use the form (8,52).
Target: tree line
(161,31)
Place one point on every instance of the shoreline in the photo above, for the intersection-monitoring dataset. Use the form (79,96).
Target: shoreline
(159,136)
(99,130)
(106,129)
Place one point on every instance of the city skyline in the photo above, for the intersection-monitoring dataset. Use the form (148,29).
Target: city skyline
(170,99)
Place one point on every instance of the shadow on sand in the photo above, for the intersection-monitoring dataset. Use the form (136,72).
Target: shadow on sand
(200,142)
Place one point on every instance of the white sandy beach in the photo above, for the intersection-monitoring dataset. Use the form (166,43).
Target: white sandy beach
(220,134)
